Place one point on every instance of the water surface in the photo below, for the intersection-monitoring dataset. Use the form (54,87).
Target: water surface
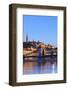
(36,65)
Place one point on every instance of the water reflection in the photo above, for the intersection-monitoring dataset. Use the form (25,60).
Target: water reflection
(40,65)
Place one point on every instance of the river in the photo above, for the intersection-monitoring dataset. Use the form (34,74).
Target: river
(36,65)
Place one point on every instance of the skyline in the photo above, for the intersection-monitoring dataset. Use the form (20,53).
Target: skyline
(41,28)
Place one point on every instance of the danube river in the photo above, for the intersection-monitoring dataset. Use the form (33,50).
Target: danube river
(39,65)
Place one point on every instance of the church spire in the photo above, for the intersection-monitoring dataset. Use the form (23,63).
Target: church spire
(26,37)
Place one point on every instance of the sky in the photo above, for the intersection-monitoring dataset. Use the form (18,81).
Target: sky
(41,28)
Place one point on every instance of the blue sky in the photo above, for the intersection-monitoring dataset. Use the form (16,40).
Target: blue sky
(42,28)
